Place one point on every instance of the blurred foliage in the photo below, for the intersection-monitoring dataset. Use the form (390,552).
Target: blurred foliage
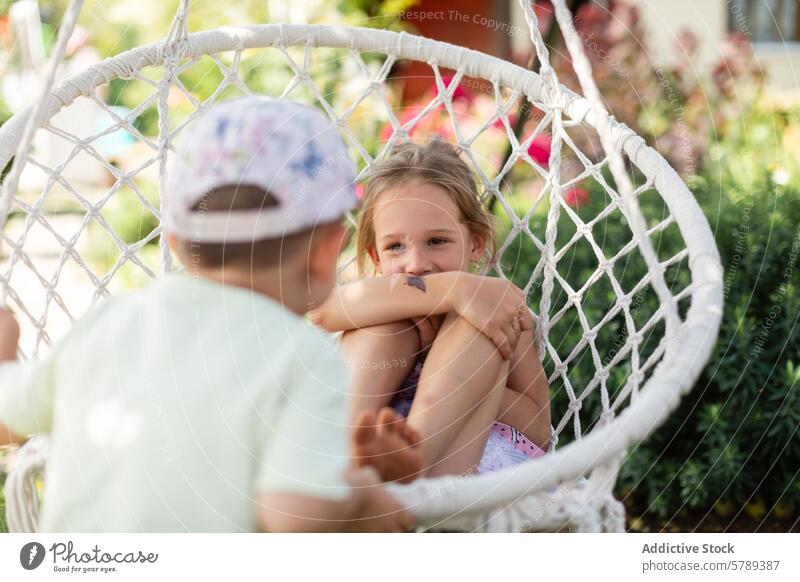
(372,14)
(734,436)
(733,443)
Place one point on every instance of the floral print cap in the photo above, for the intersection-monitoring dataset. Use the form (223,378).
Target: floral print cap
(288,149)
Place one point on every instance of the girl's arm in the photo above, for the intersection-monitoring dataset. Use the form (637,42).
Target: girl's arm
(493,306)
(380,300)
(526,402)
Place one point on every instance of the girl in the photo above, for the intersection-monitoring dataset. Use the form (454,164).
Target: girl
(477,394)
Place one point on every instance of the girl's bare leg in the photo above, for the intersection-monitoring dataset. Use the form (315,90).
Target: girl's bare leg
(379,358)
(458,398)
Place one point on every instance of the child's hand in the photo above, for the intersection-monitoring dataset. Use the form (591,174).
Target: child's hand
(9,335)
(377,510)
(495,307)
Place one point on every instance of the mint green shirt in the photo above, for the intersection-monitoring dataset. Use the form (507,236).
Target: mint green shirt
(169,408)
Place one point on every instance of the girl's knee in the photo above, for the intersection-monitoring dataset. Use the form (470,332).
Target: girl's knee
(450,319)
(458,334)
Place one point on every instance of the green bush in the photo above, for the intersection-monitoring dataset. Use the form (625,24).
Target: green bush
(734,436)
(733,440)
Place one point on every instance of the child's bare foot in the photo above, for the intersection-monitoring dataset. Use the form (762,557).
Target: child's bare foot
(389,445)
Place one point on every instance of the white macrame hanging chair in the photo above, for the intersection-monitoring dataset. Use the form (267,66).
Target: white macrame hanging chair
(569,488)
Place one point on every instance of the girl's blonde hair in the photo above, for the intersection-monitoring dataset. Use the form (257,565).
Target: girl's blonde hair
(436,163)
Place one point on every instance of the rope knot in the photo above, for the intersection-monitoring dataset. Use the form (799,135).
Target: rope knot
(553,97)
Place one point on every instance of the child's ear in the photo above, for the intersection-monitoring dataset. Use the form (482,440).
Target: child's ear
(373,254)
(324,250)
(172,242)
(478,247)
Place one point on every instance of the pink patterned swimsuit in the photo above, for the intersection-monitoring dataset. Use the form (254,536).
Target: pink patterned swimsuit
(505,447)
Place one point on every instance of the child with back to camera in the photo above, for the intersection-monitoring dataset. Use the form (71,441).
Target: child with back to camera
(477,394)
(204,402)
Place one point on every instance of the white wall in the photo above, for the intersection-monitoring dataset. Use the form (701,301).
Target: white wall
(664,19)
(708,19)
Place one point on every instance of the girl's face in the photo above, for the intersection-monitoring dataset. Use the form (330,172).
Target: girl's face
(419,230)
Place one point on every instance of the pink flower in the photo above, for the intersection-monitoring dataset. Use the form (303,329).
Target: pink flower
(544,14)
(359,191)
(576,196)
(512,121)
(460,92)
(539,150)
(688,42)
(408,113)
(386,132)
(435,122)
(590,15)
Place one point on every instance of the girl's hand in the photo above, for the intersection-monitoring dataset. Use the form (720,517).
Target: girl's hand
(377,510)
(495,307)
